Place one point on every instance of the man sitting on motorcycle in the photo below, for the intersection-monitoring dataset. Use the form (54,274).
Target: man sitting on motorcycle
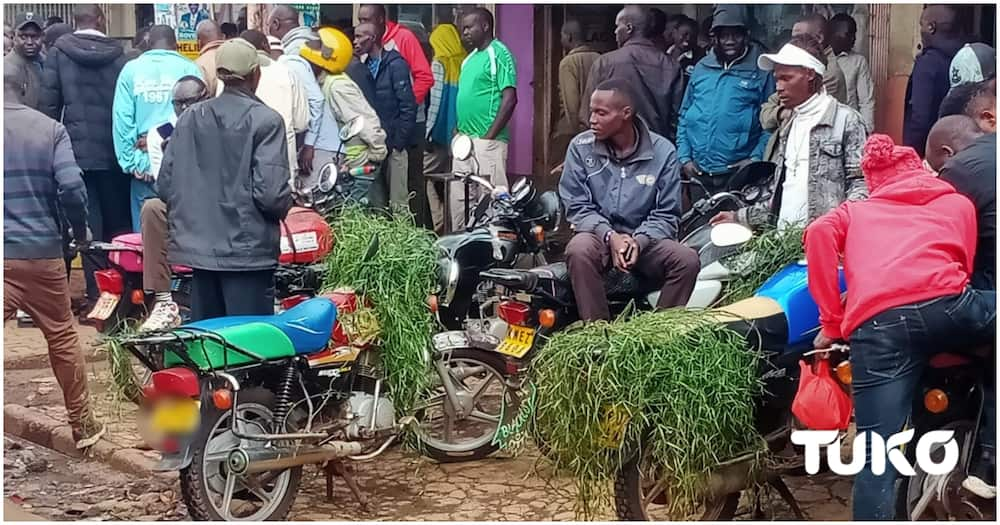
(907,254)
(621,188)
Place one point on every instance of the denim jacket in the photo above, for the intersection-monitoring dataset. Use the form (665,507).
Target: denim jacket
(835,147)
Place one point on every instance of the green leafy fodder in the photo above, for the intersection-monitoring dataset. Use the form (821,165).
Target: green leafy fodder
(397,281)
(677,381)
(760,258)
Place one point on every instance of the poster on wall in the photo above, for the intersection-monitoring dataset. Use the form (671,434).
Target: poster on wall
(308,14)
(184,18)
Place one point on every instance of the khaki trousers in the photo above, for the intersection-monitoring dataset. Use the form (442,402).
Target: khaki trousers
(491,158)
(398,178)
(155,269)
(437,159)
(39,287)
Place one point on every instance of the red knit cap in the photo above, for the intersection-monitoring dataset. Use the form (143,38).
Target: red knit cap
(883,161)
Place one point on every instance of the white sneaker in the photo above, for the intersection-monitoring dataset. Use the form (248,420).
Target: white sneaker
(165,315)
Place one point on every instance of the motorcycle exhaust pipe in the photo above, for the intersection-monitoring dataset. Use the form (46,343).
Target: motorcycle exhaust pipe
(729,478)
(332,450)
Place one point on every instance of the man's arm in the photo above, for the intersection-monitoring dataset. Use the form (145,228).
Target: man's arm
(300,104)
(596,72)
(771,114)
(568,88)
(69,183)
(435,101)
(314,96)
(581,210)
(855,135)
(269,168)
(663,219)
(50,99)
(824,246)
(866,94)
(675,96)
(765,136)
(406,103)
(413,53)
(123,126)
(684,151)
(506,80)
(923,107)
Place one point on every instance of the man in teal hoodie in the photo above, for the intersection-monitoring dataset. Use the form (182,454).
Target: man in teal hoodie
(143,100)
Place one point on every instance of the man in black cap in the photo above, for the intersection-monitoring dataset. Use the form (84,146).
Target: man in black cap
(719,128)
(27,55)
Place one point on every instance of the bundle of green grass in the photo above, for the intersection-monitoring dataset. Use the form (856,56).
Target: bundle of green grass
(760,258)
(396,280)
(677,381)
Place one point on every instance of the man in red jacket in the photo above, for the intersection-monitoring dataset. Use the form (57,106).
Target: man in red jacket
(907,254)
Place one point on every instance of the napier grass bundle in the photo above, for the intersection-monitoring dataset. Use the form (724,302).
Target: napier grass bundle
(678,381)
(397,281)
(760,258)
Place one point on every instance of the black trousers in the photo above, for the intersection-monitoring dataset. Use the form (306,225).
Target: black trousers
(221,294)
(108,215)
(415,182)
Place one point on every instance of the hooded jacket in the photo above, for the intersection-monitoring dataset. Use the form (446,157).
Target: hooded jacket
(913,240)
(640,195)
(402,40)
(323,132)
(78,87)
(394,102)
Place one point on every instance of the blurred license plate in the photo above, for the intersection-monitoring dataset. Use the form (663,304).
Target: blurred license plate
(175,415)
(105,306)
(518,341)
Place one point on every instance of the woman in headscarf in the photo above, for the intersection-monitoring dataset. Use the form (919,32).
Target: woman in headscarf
(441,117)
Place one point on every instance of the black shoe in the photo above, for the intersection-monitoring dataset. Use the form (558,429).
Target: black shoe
(982,480)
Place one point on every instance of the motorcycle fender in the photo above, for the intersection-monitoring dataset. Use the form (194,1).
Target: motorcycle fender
(174,462)
(446,341)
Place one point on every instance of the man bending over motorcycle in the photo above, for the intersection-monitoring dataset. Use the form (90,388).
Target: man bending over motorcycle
(907,254)
(621,187)
(155,270)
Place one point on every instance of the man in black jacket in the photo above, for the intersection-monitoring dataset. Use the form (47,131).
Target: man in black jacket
(78,86)
(394,103)
(224,180)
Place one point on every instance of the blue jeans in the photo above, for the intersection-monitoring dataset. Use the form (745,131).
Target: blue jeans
(888,355)
(141,190)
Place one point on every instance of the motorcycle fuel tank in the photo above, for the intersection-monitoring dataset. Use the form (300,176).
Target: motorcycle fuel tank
(790,289)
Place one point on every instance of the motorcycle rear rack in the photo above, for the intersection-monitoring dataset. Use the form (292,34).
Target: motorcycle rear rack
(185,335)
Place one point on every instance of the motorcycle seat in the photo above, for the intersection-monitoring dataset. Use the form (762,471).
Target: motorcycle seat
(131,258)
(308,325)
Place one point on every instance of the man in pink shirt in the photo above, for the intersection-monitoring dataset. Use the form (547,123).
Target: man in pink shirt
(397,37)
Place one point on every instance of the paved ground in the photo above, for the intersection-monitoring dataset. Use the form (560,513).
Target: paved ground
(400,485)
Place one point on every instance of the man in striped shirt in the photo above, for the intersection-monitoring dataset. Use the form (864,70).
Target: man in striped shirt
(41,180)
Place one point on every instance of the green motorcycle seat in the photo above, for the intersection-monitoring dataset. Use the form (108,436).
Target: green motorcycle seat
(261,339)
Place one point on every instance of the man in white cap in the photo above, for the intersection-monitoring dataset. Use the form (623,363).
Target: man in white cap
(819,146)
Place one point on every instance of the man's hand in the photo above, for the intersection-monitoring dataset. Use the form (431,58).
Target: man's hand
(620,245)
(141,143)
(723,217)
(690,170)
(822,342)
(306,156)
(557,170)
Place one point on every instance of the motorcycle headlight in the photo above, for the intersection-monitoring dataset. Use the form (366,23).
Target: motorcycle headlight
(448,272)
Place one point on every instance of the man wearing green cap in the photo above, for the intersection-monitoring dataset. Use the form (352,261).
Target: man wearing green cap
(224,180)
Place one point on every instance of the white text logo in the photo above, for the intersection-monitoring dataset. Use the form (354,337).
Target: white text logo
(882,451)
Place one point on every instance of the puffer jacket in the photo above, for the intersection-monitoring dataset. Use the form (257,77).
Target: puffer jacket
(394,101)
(640,195)
(719,123)
(78,87)
(835,147)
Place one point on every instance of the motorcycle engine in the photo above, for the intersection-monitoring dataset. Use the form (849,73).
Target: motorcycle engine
(361,405)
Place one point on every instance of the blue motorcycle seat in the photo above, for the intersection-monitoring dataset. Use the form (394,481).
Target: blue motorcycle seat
(308,325)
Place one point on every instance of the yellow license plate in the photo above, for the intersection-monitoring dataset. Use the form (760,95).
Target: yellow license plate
(518,341)
(105,306)
(613,426)
(176,416)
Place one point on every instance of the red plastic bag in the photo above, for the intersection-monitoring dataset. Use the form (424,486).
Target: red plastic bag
(821,403)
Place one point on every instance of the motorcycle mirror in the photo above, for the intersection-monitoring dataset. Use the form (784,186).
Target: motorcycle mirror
(327,177)
(730,234)
(352,129)
(461,147)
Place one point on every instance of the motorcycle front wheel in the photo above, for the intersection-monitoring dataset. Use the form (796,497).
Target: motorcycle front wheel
(213,493)
(479,380)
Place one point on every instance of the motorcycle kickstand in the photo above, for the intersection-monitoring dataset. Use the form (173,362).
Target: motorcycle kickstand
(337,468)
(786,494)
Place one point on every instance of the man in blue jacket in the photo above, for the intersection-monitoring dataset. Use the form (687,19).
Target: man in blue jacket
(143,100)
(720,127)
(621,188)
(395,105)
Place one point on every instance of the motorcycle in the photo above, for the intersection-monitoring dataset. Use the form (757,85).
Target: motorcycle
(239,405)
(503,228)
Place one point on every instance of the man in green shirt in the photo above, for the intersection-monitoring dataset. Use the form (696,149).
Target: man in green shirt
(487,95)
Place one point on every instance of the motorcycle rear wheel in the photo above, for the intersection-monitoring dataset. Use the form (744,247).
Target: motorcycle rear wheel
(480,377)
(207,477)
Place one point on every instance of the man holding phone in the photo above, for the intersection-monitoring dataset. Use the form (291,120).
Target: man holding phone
(621,188)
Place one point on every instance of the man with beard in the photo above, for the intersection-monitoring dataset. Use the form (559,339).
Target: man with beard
(621,188)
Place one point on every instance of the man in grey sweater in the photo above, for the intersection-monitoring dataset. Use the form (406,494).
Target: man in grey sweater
(41,181)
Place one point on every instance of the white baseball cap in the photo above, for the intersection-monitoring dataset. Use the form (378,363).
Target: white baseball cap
(791,55)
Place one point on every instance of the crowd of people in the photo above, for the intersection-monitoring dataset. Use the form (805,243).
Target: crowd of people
(205,158)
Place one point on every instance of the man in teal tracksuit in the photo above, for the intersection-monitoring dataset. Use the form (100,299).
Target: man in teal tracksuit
(143,101)
(719,128)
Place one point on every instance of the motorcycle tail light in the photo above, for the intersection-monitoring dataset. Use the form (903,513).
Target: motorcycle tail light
(514,312)
(547,318)
(936,401)
(539,234)
(432,303)
(222,398)
(110,281)
(138,297)
(289,302)
(844,374)
(176,381)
